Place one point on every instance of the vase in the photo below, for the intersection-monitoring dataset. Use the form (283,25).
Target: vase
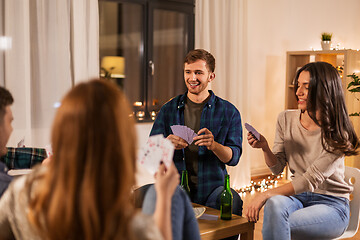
(325,45)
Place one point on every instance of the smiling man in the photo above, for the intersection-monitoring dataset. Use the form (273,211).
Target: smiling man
(218,125)
(6,119)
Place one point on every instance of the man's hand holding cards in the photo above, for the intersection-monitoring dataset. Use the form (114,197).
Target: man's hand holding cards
(184,132)
(156,149)
(182,136)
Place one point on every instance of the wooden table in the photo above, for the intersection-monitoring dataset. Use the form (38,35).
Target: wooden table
(218,229)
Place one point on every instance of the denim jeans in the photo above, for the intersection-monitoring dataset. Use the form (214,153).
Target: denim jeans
(305,216)
(183,221)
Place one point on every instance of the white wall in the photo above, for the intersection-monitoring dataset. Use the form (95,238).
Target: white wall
(274,27)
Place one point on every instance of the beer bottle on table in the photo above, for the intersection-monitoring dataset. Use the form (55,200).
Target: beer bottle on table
(226,200)
(184,182)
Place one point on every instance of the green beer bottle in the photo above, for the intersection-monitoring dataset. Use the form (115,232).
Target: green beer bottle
(184,182)
(226,200)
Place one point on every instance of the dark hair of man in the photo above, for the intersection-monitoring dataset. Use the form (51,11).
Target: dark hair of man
(201,54)
(6,99)
(326,96)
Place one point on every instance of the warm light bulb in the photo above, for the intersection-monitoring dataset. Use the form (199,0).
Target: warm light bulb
(138,104)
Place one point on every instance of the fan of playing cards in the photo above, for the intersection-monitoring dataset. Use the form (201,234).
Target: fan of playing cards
(156,149)
(184,132)
(252,130)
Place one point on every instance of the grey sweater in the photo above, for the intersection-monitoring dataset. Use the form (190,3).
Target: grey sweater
(313,168)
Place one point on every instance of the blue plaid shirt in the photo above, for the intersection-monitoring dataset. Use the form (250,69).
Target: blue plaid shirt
(25,157)
(223,120)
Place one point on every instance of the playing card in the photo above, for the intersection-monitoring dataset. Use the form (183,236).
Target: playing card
(145,159)
(192,135)
(156,149)
(178,131)
(161,148)
(206,216)
(48,150)
(184,132)
(252,130)
(21,143)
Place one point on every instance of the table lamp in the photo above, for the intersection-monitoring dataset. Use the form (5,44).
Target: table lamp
(114,65)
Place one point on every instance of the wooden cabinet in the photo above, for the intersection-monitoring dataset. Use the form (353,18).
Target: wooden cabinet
(349,60)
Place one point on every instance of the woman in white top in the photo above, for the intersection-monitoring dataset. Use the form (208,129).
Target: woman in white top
(313,141)
(84,192)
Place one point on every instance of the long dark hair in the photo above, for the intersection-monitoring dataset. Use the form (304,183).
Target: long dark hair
(326,96)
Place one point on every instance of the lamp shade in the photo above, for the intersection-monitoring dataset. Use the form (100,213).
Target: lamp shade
(115,65)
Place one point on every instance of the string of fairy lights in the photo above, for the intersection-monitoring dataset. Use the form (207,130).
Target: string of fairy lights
(262,184)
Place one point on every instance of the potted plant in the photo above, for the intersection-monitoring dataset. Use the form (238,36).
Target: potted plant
(326,40)
(354,87)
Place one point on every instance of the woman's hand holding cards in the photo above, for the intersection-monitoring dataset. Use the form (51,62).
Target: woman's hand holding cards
(166,181)
(255,139)
(256,143)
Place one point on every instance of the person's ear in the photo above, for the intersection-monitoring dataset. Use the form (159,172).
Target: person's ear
(211,77)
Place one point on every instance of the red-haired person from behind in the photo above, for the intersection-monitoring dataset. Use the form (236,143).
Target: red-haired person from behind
(84,192)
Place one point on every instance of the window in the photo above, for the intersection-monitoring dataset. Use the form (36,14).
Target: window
(143,44)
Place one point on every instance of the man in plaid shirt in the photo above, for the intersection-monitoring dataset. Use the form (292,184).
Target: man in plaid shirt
(6,119)
(218,125)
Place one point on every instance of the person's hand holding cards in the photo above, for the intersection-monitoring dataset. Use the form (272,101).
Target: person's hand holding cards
(253,131)
(205,138)
(182,136)
(167,179)
(178,142)
(255,139)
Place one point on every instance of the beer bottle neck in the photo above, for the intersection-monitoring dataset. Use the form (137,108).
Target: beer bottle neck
(184,178)
(227,182)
